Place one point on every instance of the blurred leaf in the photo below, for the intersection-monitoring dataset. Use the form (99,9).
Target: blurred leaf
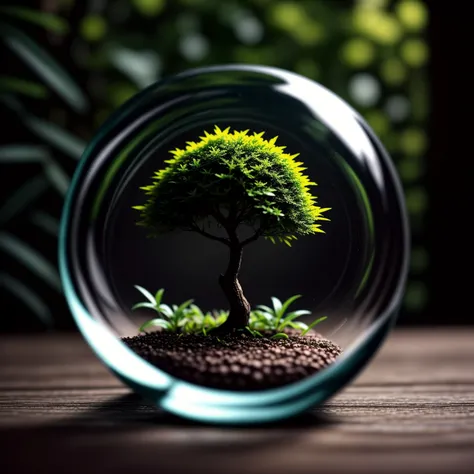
(56,136)
(47,20)
(56,176)
(45,66)
(141,67)
(28,297)
(20,86)
(48,131)
(46,222)
(22,197)
(31,259)
(22,154)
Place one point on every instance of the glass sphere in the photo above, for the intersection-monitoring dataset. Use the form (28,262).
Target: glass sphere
(234,244)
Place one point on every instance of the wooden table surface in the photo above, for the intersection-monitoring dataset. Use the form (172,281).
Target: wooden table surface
(412,410)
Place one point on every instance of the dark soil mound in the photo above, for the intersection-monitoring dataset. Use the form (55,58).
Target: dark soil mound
(236,361)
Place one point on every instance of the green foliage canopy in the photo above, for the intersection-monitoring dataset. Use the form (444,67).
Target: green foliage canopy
(236,178)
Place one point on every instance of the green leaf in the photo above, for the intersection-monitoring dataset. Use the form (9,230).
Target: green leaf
(56,176)
(31,259)
(17,154)
(155,323)
(183,306)
(297,325)
(16,85)
(49,132)
(280,335)
(266,309)
(56,136)
(46,222)
(22,197)
(28,297)
(144,305)
(311,326)
(159,296)
(141,67)
(291,316)
(49,21)
(166,310)
(288,302)
(146,294)
(277,306)
(44,66)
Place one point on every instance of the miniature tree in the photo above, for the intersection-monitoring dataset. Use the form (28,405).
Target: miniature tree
(229,180)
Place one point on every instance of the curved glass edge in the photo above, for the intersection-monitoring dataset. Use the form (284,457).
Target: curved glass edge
(211,405)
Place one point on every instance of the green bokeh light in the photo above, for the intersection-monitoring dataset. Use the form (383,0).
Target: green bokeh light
(358,53)
(378,121)
(413,141)
(294,19)
(377,25)
(414,52)
(413,14)
(411,169)
(307,67)
(419,260)
(93,27)
(149,7)
(416,200)
(120,92)
(416,296)
(393,71)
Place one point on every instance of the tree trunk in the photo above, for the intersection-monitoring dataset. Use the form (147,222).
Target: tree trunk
(229,282)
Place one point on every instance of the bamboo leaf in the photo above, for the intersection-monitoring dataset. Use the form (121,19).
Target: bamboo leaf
(46,222)
(22,197)
(49,21)
(28,297)
(21,86)
(23,154)
(44,66)
(48,131)
(56,136)
(31,259)
(56,176)
(141,67)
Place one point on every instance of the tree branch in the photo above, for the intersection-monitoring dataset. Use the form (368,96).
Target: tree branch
(252,238)
(224,241)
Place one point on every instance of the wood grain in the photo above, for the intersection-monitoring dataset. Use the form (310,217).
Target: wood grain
(412,410)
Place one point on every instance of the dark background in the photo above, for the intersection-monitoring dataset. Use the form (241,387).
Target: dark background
(66,65)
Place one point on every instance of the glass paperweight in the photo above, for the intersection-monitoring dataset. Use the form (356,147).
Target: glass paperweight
(234,244)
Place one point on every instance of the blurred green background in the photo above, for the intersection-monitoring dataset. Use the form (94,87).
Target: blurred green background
(68,64)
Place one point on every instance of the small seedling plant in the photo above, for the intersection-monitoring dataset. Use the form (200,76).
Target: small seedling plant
(188,318)
(225,181)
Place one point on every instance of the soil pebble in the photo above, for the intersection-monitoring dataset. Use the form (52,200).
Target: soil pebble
(236,361)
